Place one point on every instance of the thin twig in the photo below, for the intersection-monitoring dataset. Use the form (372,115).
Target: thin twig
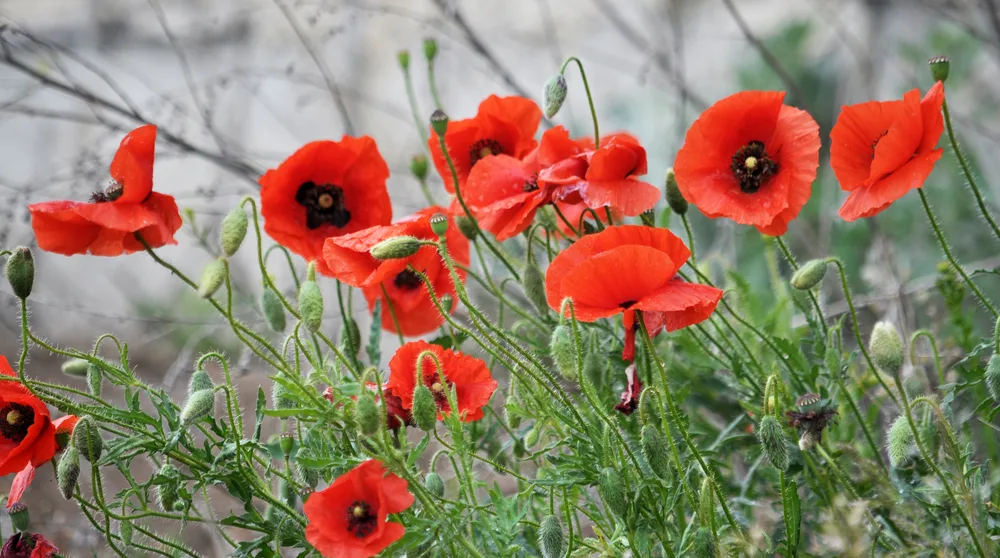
(769,58)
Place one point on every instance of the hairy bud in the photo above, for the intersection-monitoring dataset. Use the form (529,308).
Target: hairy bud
(704,544)
(418,166)
(550,537)
(125,531)
(656,451)
(900,443)
(68,472)
(200,380)
(309,477)
(772,440)
(706,503)
(467,227)
(75,367)
(612,491)
(940,65)
(424,408)
(233,230)
(212,278)
(21,271)
(533,283)
(531,438)
(274,311)
(396,248)
(95,380)
(311,305)
(562,352)
(809,275)
(87,439)
(439,122)
(675,199)
(366,415)
(992,377)
(886,348)
(168,493)
(19,517)
(199,405)
(554,95)
(434,484)
(280,398)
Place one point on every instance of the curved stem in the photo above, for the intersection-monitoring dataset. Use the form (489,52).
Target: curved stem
(967,171)
(934,349)
(812,296)
(590,98)
(690,237)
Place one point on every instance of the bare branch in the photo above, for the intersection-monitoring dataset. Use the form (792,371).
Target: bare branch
(769,58)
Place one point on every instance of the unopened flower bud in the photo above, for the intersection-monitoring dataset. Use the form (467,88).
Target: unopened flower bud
(655,450)
(992,377)
(562,351)
(233,230)
(274,311)
(418,166)
(403,57)
(704,544)
(886,348)
(87,439)
(397,247)
(900,442)
(75,367)
(167,493)
(286,442)
(212,277)
(439,224)
(68,472)
(648,218)
(309,477)
(533,283)
(550,537)
(467,227)
(675,199)
(21,271)
(939,67)
(424,408)
(199,405)
(554,95)
(200,380)
(612,491)
(531,438)
(434,484)
(125,531)
(95,380)
(809,275)
(351,335)
(311,305)
(513,419)
(366,415)
(280,397)
(706,503)
(439,122)
(430,49)
(772,440)
(19,517)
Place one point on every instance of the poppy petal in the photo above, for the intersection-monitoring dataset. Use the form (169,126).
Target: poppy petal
(930,112)
(870,200)
(858,128)
(600,283)
(900,141)
(22,480)
(631,197)
(683,304)
(132,166)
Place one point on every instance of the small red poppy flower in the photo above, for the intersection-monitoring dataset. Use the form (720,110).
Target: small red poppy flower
(28,436)
(881,150)
(473,383)
(750,158)
(107,226)
(627,268)
(610,178)
(502,126)
(27,545)
(348,518)
(326,188)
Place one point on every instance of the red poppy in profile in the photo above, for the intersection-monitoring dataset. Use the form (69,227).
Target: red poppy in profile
(881,150)
(611,179)
(502,126)
(473,383)
(109,223)
(28,545)
(750,158)
(348,518)
(27,432)
(627,268)
(326,188)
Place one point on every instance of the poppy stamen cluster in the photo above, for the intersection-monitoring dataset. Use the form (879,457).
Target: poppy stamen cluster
(15,420)
(324,205)
(753,167)
(110,194)
(484,148)
(407,280)
(361,520)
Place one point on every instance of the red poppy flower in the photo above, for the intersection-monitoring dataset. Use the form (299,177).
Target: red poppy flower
(752,159)
(27,433)
(326,188)
(348,518)
(27,545)
(503,125)
(107,226)
(883,149)
(474,385)
(610,178)
(627,268)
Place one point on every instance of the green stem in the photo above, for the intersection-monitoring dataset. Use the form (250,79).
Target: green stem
(812,296)
(934,349)
(590,98)
(690,237)
(968,171)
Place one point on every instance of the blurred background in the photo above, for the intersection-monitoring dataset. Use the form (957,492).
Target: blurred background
(235,86)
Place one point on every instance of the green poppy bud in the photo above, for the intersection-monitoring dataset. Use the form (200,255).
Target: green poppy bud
(554,95)
(199,405)
(656,451)
(286,442)
(430,49)
(273,309)
(19,517)
(95,380)
(562,352)
(212,278)
(809,275)
(467,227)
(125,531)
(280,398)
(939,67)
(900,443)
(87,439)
(706,503)
(439,122)
(75,367)
(418,166)
(403,57)
(992,377)
(434,484)
(550,537)
(886,348)
(351,335)
(311,305)
(200,380)
(675,199)
(512,419)
(424,408)
(233,230)
(309,477)
(519,450)
(396,248)
(21,271)
(612,491)
(704,544)
(366,415)
(68,472)
(772,440)
(531,438)
(168,494)
(533,283)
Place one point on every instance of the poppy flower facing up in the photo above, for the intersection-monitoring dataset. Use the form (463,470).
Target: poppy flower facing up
(325,189)
(502,126)
(750,158)
(348,518)
(627,268)
(473,383)
(107,225)
(27,545)
(27,433)
(883,149)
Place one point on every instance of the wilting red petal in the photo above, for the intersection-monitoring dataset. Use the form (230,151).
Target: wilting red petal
(22,481)
(633,388)
(132,166)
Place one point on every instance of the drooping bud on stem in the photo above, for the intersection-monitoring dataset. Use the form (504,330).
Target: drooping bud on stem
(612,491)
(467,227)
(533,283)
(773,442)
(274,311)
(167,492)
(199,405)
(562,351)
(21,271)
(68,472)
(434,484)
(200,380)
(75,367)
(366,415)
(87,439)
(809,275)
(992,377)
(424,408)
(95,380)
(212,277)
(280,397)
(900,442)
(655,450)
(233,230)
(675,199)
(886,348)
(351,335)
(940,65)
(554,95)
(550,537)
(311,305)
(396,248)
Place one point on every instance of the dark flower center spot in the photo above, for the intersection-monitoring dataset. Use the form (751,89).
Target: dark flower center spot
(324,205)
(812,422)
(407,280)
(752,166)
(878,139)
(361,522)
(484,148)
(110,194)
(531,184)
(15,420)
(628,304)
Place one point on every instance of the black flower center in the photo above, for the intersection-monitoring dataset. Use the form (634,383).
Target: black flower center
(407,280)
(324,205)
(812,422)
(627,304)
(360,519)
(15,420)
(752,166)
(484,148)
(110,194)
(531,184)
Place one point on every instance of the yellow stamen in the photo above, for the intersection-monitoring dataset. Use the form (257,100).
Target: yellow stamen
(750,163)
(13,417)
(437,387)
(358,512)
(325,201)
